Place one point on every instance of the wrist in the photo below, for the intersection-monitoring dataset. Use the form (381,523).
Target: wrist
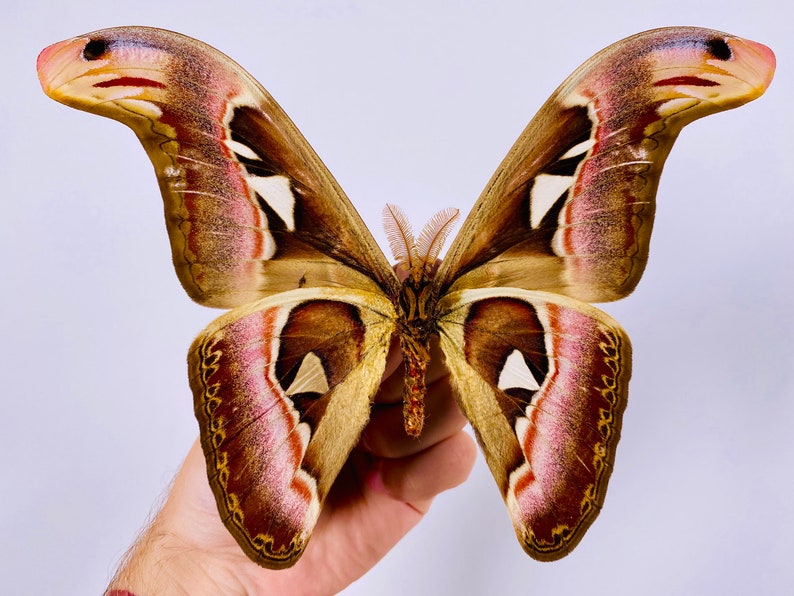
(164,562)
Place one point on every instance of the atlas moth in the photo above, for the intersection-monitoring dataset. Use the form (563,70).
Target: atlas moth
(283,382)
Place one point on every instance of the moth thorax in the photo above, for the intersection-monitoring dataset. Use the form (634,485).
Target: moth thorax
(416,300)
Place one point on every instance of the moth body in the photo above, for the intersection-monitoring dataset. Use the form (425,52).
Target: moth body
(416,301)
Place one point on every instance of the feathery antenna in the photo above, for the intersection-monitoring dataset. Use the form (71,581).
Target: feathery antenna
(409,253)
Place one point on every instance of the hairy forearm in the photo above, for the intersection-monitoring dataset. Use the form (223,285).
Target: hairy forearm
(162,562)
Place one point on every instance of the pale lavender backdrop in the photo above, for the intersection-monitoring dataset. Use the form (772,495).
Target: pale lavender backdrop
(414,103)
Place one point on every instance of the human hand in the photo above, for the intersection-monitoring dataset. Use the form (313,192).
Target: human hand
(383,491)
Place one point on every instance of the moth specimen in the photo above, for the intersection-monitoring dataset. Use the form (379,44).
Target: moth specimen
(283,382)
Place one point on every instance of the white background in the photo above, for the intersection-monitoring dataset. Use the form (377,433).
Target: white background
(414,103)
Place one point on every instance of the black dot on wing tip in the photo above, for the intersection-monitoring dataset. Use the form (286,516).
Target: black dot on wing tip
(95,49)
(719,48)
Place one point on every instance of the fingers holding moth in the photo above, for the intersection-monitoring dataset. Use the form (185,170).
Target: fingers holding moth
(418,478)
(385,434)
